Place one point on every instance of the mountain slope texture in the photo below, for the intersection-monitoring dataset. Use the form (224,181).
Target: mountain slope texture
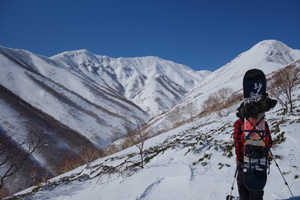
(78,102)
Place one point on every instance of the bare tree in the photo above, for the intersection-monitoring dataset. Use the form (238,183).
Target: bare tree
(173,119)
(283,83)
(70,163)
(219,100)
(89,153)
(45,175)
(225,94)
(175,116)
(13,154)
(191,110)
(32,173)
(211,103)
(136,135)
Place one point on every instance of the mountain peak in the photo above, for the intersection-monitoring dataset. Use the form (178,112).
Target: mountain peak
(73,53)
(267,51)
(272,44)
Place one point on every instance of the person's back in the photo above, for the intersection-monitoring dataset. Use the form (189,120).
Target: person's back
(238,135)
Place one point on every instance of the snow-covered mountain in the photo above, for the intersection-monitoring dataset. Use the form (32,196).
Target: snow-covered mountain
(73,112)
(194,161)
(80,99)
(154,84)
(268,56)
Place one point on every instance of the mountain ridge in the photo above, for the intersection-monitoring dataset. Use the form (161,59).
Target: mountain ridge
(85,104)
(184,163)
(90,95)
(132,74)
(230,77)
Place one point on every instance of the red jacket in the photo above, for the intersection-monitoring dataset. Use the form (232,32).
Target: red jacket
(238,141)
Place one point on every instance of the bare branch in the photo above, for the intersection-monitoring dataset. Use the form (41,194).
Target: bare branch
(283,83)
(191,110)
(136,135)
(13,154)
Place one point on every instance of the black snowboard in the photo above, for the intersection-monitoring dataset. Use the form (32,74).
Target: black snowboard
(254,84)
(254,169)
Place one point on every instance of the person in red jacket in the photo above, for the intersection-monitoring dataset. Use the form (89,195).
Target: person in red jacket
(244,192)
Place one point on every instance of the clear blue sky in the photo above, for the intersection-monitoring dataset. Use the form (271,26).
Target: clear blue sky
(203,34)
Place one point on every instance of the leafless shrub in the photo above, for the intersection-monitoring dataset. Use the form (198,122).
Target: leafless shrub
(211,103)
(32,173)
(175,117)
(223,98)
(13,154)
(89,153)
(69,164)
(283,83)
(136,134)
(191,110)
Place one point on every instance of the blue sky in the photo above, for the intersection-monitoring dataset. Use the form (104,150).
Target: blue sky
(203,34)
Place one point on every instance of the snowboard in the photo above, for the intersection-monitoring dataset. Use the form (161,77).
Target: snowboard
(232,197)
(254,85)
(255,160)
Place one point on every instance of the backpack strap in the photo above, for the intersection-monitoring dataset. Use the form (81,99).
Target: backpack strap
(255,129)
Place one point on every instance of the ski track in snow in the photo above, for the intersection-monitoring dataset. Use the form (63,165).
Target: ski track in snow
(150,189)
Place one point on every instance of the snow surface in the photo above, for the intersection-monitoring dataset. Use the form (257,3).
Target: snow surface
(177,173)
(190,162)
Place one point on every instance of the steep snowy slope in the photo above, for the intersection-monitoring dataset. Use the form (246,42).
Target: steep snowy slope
(68,97)
(72,111)
(159,94)
(89,65)
(194,161)
(85,96)
(268,55)
(136,78)
(78,100)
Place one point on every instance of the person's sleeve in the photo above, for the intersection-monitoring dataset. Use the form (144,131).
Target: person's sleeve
(238,143)
(268,138)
